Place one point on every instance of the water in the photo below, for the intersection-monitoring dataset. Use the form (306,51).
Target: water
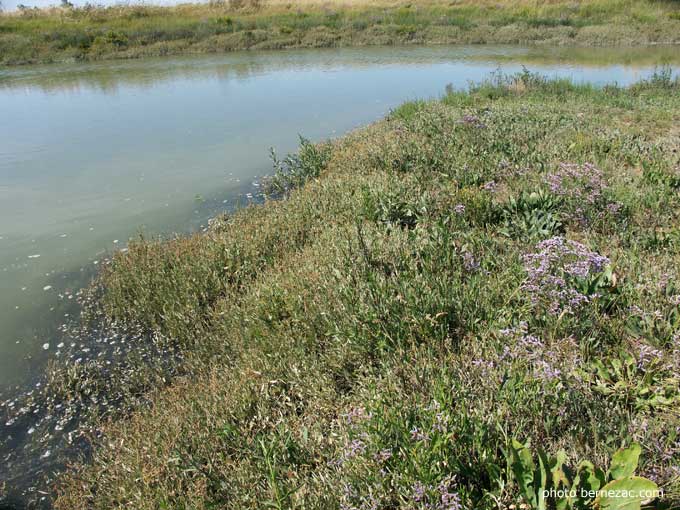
(92,154)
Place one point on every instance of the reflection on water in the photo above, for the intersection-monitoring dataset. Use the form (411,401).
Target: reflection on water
(108,76)
(90,154)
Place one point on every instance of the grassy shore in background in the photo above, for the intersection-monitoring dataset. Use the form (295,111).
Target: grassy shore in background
(66,34)
(470,301)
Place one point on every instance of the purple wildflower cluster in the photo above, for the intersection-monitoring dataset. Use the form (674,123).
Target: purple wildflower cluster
(490,186)
(472,121)
(647,356)
(484,364)
(383,455)
(418,434)
(355,448)
(554,270)
(582,182)
(614,208)
(440,422)
(366,502)
(356,415)
(448,499)
(470,263)
(665,447)
(583,188)
(419,492)
(443,495)
(527,348)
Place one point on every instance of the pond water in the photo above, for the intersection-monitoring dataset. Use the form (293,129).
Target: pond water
(92,154)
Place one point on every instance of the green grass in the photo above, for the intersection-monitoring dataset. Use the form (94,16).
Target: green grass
(379,337)
(91,33)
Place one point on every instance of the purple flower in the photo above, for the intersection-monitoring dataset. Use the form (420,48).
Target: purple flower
(440,421)
(583,182)
(531,342)
(459,209)
(614,208)
(469,262)
(555,270)
(355,448)
(583,187)
(546,371)
(490,186)
(646,355)
(356,415)
(383,455)
(419,435)
(480,362)
(418,492)
(472,121)
(448,499)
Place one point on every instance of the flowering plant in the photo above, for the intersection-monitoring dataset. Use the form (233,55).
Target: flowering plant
(564,275)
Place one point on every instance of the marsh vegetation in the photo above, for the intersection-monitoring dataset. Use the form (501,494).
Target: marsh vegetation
(91,32)
(426,311)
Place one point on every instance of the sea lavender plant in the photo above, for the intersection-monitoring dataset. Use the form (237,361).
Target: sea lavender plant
(472,121)
(470,263)
(448,499)
(441,497)
(530,350)
(557,272)
(582,188)
(582,182)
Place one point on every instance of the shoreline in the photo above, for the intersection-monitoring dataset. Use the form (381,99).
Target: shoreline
(90,34)
(361,292)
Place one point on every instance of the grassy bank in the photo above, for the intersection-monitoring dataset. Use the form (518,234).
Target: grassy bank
(433,302)
(66,34)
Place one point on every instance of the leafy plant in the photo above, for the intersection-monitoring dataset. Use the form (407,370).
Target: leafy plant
(550,483)
(531,216)
(660,327)
(296,169)
(656,171)
(624,378)
(393,208)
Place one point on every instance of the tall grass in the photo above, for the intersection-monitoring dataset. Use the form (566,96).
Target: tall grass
(89,33)
(442,295)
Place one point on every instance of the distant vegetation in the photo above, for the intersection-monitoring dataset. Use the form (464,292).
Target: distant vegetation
(67,33)
(467,304)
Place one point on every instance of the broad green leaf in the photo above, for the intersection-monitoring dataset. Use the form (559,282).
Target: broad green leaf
(541,478)
(625,461)
(626,494)
(559,475)
(588,476)
(523,469)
